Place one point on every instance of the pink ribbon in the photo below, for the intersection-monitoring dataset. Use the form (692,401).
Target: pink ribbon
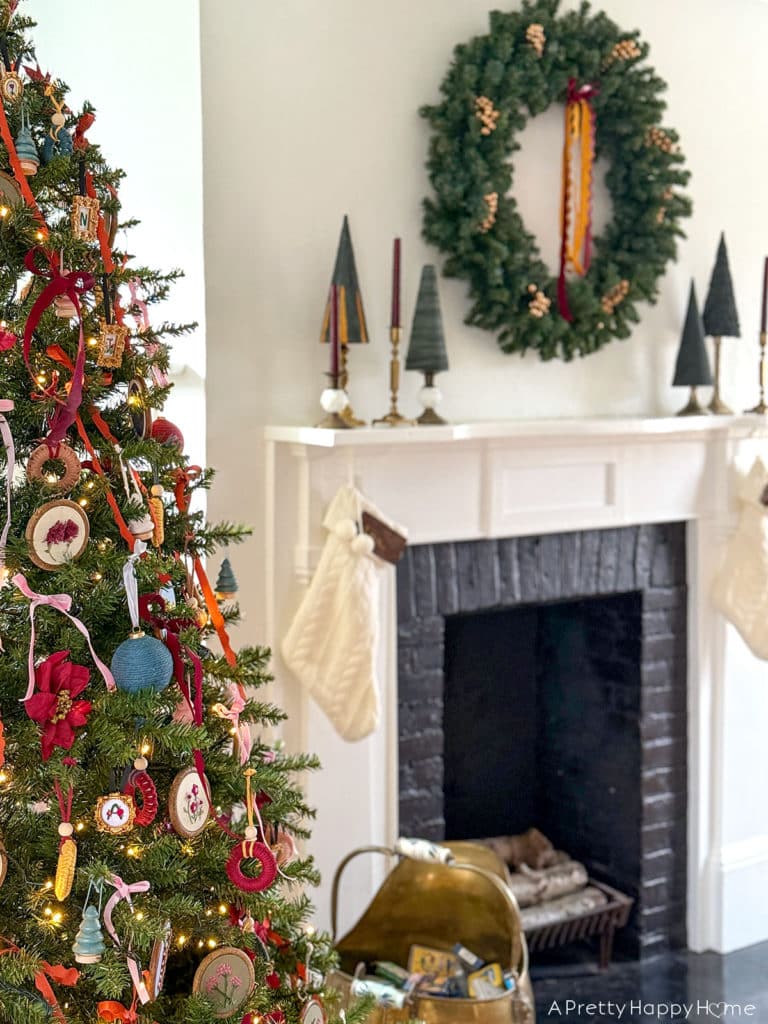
(6,405)
(124,891)
(142,325)
(61,603)
(232,714)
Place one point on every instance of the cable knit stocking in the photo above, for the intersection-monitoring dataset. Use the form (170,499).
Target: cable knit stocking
(741,588)
(332,642)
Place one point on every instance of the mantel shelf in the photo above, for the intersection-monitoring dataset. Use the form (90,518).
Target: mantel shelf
(567,429)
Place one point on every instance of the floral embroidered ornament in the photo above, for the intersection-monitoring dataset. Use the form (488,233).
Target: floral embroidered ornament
(188,805)
(57,533)
(54,705)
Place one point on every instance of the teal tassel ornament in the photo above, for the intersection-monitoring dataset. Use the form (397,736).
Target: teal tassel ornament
(88,946)
(142,663)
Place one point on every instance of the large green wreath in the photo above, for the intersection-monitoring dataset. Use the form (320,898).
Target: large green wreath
(494,83)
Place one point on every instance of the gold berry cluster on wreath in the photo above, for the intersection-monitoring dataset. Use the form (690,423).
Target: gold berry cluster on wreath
(522,66)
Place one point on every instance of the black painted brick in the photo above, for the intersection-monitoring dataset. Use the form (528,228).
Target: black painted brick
(427,743)
(510,587)
(446,579)
(405,605)
(425,596)
(478,577)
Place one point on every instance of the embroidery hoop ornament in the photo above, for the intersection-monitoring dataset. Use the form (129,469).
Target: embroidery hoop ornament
(474,219)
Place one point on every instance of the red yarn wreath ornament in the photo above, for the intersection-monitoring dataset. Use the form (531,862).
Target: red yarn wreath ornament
(140,783)
(251,848)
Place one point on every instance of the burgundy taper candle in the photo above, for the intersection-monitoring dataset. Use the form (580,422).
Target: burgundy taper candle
(395,322)
(334,330)
(764,311)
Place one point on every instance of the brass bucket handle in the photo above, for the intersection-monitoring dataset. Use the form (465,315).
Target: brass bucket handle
(501,887)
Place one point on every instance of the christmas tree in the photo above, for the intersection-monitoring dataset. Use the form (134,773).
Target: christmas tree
(692,365)
(720,316)
(148,835)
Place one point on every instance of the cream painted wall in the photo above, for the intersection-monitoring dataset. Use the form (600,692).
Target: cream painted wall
(139,65)
(311,111)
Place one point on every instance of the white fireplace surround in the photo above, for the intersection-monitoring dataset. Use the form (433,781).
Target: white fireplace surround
(522,478)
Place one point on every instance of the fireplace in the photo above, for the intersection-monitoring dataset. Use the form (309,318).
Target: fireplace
(542,682)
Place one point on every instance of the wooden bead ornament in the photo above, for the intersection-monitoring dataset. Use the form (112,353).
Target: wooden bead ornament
(42,455)
(140,783)
(251,848)
(143,527)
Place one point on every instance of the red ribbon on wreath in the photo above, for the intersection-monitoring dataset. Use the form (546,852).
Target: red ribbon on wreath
(579,135)
(73,285)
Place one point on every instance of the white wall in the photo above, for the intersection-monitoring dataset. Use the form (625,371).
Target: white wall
(139,65)
(311,111)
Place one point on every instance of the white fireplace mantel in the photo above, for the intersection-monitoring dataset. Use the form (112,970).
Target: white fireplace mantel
(518,478)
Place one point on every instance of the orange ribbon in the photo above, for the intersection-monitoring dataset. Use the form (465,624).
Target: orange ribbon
(181,491)
(576,244)
(111,1011)
(18,173)
(62,976)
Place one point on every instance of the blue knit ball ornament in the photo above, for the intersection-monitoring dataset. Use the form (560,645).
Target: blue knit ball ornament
(142,663)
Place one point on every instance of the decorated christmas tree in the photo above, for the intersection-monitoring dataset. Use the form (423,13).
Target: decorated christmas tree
(149,863)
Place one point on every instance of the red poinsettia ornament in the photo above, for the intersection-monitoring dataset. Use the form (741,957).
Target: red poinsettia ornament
(54,705)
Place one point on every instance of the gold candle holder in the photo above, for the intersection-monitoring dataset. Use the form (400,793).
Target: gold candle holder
(761,408)
(348,415)
(394,417)
(717,405)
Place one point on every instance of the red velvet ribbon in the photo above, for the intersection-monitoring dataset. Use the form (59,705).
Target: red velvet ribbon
(79,140)
(72,285)
(574,94)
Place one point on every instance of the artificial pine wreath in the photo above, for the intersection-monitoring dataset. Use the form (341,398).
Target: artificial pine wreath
(530,59)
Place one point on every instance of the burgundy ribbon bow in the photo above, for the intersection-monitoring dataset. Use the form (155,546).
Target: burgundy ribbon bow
(73,285)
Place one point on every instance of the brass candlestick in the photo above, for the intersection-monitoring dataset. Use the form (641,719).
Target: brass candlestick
(394,417)
(348,414)
(761,408)
(334,401)
(717,405)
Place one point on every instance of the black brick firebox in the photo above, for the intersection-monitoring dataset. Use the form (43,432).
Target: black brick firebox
(542,681)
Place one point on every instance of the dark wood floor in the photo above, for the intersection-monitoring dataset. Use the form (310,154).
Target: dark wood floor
(706,988)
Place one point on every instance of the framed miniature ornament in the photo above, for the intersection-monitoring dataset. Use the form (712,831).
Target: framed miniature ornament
(85,218)
(11,86)
(112,338)
(188,805)
(57,533)
(225,979)
(158,962)
(115,813)
(138,409)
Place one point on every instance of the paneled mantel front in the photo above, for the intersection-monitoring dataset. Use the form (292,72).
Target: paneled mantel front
(523,478)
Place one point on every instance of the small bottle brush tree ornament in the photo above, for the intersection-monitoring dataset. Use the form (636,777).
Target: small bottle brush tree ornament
(426,351)
(122,781)
(226,582)
(692,365)
(721,319)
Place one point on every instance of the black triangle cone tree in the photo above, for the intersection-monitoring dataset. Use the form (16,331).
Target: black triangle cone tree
(692,365)
(721,318)
(426,351)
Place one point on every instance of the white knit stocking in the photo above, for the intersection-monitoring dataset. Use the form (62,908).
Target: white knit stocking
(331,644)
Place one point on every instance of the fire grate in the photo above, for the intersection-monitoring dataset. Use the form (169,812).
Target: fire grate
(602,923)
